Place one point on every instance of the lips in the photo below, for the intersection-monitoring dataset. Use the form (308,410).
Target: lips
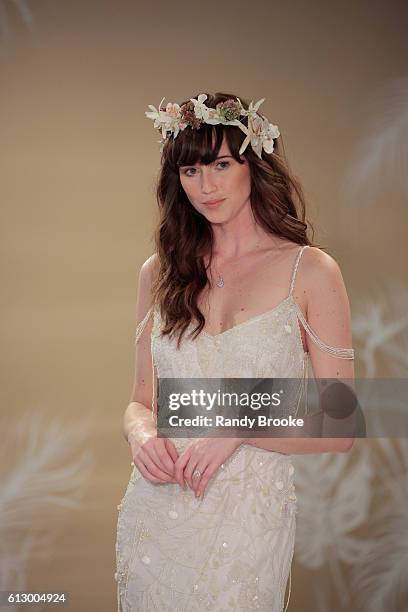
(213,202)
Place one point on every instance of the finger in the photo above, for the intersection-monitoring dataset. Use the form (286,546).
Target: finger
(189,470)
(152,467)
(155,455)
(197,480)
(175,456)
(161,458)
(204,481)
(144,452)
(179,468)
(145,473)
(171,449)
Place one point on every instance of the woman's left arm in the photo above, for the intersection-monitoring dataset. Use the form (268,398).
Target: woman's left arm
(328,326)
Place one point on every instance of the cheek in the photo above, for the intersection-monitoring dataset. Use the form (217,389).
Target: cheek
(188,187)
(242,182)
(191,191)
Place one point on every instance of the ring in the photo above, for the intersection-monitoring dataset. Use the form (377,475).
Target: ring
(196,473)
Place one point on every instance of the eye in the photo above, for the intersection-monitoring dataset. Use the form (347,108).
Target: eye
(226,164)
(187,171)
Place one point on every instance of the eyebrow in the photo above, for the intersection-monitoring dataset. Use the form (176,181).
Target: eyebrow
(219,157)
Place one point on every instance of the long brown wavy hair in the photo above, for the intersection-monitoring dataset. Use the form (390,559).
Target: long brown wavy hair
(183,236)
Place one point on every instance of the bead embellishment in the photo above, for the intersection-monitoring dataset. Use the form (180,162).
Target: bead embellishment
(119,575)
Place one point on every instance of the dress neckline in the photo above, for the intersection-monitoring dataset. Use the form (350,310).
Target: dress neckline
(250,320)
(254,319)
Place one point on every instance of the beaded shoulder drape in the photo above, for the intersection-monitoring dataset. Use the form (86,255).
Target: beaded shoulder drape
(231,550)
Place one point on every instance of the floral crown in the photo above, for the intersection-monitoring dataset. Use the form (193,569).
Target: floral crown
(260,133)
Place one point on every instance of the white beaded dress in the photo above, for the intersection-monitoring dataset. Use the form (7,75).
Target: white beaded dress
(232,550)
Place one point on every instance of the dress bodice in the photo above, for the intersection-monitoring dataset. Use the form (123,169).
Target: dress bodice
(265,346)
(268,345)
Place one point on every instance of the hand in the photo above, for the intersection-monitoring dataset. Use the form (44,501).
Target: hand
(155,459)
(206,455)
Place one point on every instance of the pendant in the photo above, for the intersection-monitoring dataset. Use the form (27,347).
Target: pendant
(220,282)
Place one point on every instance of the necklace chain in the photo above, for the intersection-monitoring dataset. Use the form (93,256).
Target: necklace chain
(220,281)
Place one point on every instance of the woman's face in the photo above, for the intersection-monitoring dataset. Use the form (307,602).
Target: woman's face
(220,190)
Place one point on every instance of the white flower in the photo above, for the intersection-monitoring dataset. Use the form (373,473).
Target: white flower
(270,132)
(252,108)
(215,119)
(154,113)
(260,133)
(200,109)
(166,120)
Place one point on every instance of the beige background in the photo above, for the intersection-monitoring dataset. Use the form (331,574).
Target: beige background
(78,164)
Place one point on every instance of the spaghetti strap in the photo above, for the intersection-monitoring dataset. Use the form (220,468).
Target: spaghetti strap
(295,267)
(142,325)
(344,353)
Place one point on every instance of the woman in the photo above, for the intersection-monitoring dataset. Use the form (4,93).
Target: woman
(233,275)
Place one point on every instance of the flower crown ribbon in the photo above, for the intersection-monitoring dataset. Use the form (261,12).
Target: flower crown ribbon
(260,133)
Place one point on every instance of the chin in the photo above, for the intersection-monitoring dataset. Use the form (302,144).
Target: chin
(216,216)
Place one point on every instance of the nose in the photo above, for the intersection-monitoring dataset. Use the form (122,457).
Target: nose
(207,180)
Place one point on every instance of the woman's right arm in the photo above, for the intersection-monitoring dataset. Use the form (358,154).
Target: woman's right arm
(141,396)
(153,456)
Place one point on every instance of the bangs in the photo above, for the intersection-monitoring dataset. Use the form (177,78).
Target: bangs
(202,145)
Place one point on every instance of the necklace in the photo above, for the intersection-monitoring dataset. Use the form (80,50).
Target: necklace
(220,281)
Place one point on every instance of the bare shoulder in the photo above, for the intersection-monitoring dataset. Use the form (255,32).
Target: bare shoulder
(321,278)
(149,269)
(319,267)
(147,275)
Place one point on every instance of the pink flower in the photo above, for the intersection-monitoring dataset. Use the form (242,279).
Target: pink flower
(173,110)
